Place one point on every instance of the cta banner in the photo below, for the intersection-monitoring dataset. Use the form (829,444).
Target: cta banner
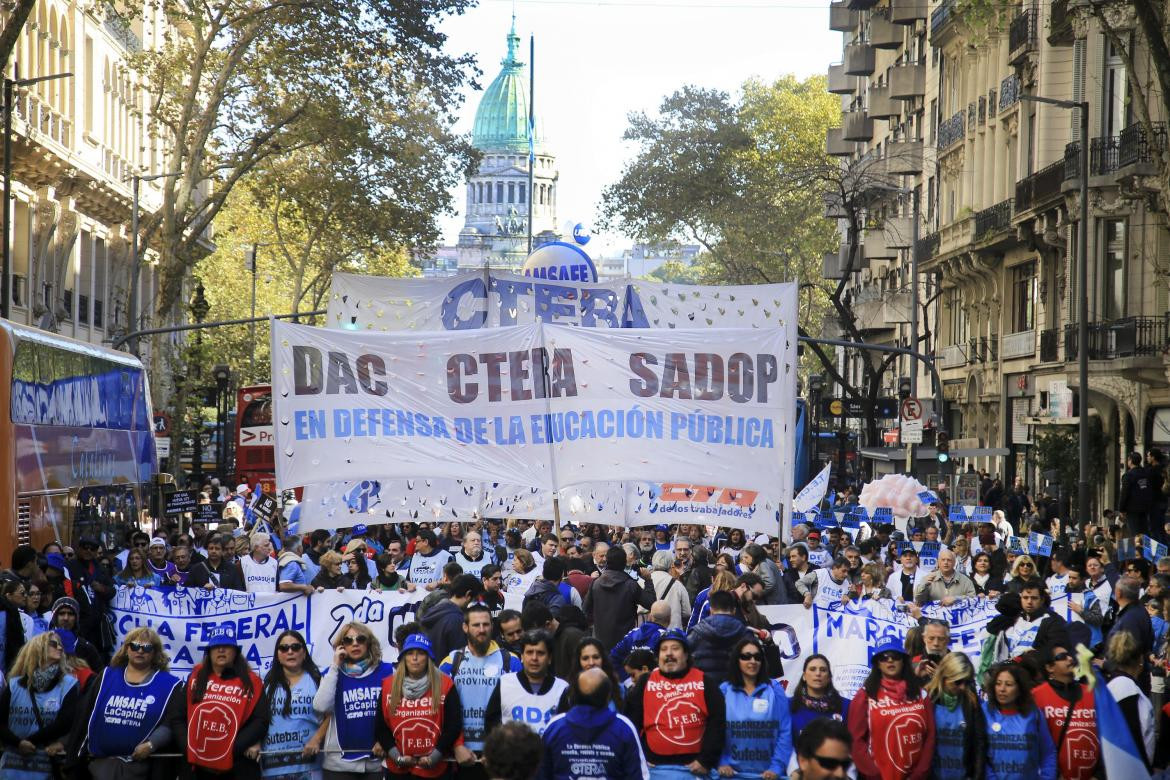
(536,406)
(847,636)
(184,616)
(491,299)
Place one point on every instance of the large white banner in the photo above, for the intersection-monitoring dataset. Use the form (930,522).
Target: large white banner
(535,406)
(183,616)
(475,299)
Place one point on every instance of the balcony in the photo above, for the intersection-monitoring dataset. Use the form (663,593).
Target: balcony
(880,105)
(904,158)
(859,59)
(836,145)
(899,231)
(982,111)
(1050,346)
(1138,146)
(839,83)
(1022,36)
(1018,345)
(950,132)
(953,356)
(927,247)
(884,34)
(908,81)
(1009,92)
(856,126)
(1039,189)
(941,21)
(876,246)
(1125,338)
(835,263)
(907,11)
(41,120)
(1104,157)
(861,5)
(982,350)
(842,18)
(869,307)
(1060,31)
(992,221)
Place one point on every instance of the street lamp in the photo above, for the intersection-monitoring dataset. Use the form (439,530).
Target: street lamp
(1082,307)
(222,375)
(135,266)
(6,271)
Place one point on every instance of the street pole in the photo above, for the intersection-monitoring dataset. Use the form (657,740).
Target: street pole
(917,211)
(1083,328)
(531,131)
(252,328)
(132,313)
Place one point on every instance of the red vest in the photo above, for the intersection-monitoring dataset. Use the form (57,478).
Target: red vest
(214,722)
(1078,755)
(415,726)
(897,733)
(674,713)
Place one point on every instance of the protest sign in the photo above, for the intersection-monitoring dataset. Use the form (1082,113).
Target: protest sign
(536,406)
(181,501)
(812,494)
(1039,544)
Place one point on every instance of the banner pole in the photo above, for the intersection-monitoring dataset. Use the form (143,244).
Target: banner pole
(557,516)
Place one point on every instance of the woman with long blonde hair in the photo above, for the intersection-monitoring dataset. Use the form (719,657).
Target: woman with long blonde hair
(418,693)
(960,745)
(39,707)
(1024,573)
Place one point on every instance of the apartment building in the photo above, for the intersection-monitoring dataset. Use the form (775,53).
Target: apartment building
(1000,223)
(76,143)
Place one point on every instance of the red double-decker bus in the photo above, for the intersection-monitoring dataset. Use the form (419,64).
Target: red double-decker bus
(255,453)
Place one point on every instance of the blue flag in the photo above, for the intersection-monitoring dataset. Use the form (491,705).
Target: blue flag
(1039,544)
(1120,756)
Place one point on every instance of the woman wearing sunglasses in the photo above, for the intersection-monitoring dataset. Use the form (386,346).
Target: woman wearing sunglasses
(891,719)
(1023,573)
(420,715)
(759,731)
(960,743)
(38,708)
(131,710)
(296,731)
(350,692)
(1018,741)
(1068,706)
(815,696)
(227,714)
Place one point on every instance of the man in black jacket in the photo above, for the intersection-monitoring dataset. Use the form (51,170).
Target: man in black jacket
(1131,614)
(1136,496)
(615,597)
(216,572)
(714,636)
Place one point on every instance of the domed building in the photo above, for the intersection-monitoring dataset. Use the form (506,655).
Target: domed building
(495,231)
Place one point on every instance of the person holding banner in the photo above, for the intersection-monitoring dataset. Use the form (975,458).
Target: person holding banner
(1083,605)
(759,729)
(296,732)
(227,714)
(827,588)
(37,709)
(350,692)
(891,719)
(137,574)
(679,712)
(986,583)
(420,716)
(131,711)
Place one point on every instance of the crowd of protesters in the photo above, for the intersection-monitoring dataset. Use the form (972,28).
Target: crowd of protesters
(635,653)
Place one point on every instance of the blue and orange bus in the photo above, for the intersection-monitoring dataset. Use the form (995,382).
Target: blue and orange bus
(77,450)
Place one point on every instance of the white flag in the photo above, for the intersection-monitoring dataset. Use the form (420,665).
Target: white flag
(813,494)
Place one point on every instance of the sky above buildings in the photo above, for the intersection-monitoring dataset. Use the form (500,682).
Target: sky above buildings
(599,60)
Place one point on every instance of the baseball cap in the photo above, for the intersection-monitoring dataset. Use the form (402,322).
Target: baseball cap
(221,636)
(418,642)
(814,534)
(891,644)
(55,561)
(243,488)
(158,541)
(676,635)
(360,529)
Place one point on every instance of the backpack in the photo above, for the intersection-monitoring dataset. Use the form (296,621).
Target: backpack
(505,657)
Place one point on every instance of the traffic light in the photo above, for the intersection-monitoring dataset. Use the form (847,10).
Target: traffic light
(942,446)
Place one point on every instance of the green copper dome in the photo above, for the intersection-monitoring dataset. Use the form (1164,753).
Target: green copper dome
(501,121)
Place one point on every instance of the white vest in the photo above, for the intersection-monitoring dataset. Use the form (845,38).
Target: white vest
(259,577)
(829,592)
(532,709)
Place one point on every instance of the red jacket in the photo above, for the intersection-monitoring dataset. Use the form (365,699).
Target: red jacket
(892,739)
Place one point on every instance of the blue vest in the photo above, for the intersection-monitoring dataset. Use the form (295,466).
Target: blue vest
(124,715)
(287,735)
(476,679)
(22,721)
(950,728)
(355,709)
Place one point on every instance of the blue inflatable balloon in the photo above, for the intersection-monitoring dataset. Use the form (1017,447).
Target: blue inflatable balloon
(581,233)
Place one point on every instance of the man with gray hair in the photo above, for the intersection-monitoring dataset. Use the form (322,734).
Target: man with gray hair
(258,566)
(946,584)
(667,587)
(1131,614)
(292,571)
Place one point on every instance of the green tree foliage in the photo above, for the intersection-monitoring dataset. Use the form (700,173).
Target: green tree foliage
(239,85)
(1058,449)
